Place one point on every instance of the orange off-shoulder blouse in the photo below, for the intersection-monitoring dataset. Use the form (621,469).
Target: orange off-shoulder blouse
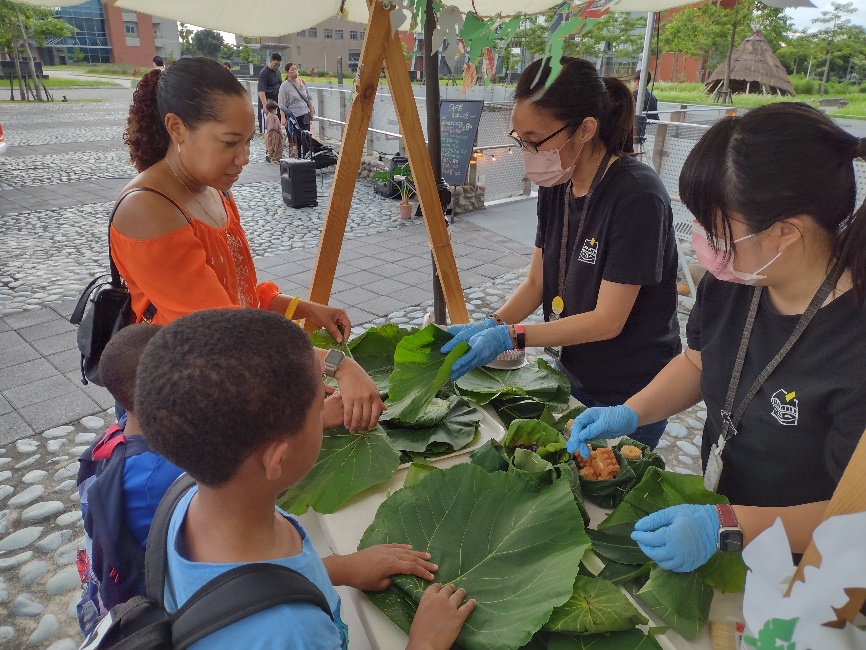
(193,268)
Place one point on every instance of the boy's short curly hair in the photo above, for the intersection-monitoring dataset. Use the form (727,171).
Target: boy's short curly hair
(119,362)
(217,384)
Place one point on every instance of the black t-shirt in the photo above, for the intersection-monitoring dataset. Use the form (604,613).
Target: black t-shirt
(269,83)
(798,433)
(650,104)
(628,239)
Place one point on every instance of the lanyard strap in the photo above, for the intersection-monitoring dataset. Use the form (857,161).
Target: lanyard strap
(564,266)
(729,421)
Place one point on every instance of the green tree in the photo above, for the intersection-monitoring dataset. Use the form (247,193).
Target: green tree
(796,55)
(207,42)
(228,52)
(184,33)
(623,33)
(531,37)
(837,29)
(77,54)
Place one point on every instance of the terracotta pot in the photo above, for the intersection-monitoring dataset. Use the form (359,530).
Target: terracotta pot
(406,210)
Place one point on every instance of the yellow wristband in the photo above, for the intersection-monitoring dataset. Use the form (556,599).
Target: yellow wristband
(293,305)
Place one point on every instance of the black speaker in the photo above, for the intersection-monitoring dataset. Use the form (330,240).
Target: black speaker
(298,181)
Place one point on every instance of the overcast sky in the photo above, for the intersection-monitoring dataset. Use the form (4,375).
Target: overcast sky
(803,17)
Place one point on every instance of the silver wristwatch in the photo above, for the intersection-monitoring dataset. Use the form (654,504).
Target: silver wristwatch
(332,361)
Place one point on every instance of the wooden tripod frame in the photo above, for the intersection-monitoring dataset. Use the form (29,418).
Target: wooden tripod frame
(382,47)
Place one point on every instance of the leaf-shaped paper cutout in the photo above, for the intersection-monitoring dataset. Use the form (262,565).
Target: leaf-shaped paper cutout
(514,548)
(470,76)
(420,370)
(347,465)
(448,25)
(681,600)
(457,430)
(595,606)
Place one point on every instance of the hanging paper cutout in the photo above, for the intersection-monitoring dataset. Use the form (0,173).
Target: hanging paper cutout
(489,62)
(448,24)
(565,23)
(469,77)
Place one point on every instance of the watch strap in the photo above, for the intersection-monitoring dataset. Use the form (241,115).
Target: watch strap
(727,517)
(520,336)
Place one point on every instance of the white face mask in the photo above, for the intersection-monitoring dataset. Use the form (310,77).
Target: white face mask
(544,168)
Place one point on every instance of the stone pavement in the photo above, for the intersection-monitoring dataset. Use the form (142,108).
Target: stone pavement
(64,168)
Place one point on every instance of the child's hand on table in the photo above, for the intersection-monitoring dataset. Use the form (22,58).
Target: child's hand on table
(439,618)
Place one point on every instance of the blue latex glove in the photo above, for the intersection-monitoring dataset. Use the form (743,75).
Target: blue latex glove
(600,423)
(679,538)
(466,332)
(484,347)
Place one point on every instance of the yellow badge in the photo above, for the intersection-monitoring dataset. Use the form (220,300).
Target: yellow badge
(557,305)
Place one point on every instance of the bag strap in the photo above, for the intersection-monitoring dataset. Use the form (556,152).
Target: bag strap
(78,312)
(228,598)
(239,593)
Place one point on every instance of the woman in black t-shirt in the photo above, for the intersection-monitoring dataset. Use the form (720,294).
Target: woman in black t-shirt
(610,300)
(779,364)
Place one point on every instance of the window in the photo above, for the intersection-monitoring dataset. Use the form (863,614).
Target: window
(339,34)
(303,32)
(299,50)
(313,32)
(329,33)
(353,35)
(131,29)
(362,32)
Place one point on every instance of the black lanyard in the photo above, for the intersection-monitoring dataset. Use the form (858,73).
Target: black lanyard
(730,422)
(564,267)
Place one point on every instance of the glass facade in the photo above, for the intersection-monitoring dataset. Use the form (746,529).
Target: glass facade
(90,36)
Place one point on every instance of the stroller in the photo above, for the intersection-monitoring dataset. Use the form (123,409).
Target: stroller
(308,147)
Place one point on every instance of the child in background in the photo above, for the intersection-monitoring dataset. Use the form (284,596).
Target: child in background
(121,465)
(212,398)
(273,132)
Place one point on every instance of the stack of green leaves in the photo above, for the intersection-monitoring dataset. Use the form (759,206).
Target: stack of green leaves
(524,393)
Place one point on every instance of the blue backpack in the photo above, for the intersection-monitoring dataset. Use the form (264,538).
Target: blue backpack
(111,565)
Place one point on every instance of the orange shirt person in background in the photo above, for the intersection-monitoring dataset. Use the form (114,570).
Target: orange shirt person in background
(181,248)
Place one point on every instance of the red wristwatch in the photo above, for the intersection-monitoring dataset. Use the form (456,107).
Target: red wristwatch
(520,336)
(730,533)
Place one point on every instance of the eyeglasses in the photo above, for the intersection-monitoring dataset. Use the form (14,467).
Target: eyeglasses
(532,147)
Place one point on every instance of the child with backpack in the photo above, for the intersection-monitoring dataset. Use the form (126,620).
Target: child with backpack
(121,482)
(233,397)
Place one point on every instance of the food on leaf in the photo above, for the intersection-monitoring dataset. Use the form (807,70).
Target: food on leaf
(524,434)
(600,466)
(519,548)
(630,452)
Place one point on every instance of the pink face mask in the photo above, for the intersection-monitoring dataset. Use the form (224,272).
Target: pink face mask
(544,168)
(713,259)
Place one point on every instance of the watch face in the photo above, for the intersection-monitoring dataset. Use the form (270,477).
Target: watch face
(731,540)
(333,357)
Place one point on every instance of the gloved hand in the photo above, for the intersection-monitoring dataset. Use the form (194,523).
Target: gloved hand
(679,538)
(484,347)
(466,332)
(600,422)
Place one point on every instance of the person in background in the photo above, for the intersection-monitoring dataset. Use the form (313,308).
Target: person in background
(159,62)
(227,65)
(775,338)
(605,261)
(295,96)
(273,132)
(650,103)
(177,237)
(245,445)
(268,86)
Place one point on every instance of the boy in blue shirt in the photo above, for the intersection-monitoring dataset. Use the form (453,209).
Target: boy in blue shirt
(234,397)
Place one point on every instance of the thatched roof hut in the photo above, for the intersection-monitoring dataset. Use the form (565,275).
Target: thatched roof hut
(754,69)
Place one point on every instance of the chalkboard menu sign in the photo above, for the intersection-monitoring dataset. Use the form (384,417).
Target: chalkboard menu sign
(459,119)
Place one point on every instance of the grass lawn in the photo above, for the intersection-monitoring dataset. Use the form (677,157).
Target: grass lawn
(693,94)
(98,68)
(71,101)
(56,82)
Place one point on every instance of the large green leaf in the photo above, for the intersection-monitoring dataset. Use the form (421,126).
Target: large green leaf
(515,549)
(725,572)
(619,573)
(420,370)
(396,605)
(322,339)
(535,432)
(375,348)
(595,606)
(491,457)
(537,380)
(619,548)
(627,640)
(512,407)
(681,600)
(457,430)
(347,465)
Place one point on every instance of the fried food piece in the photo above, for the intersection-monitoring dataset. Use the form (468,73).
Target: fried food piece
(600,466)
(588,473)
(630,452)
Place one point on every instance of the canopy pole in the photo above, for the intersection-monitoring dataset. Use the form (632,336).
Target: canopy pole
(644,62)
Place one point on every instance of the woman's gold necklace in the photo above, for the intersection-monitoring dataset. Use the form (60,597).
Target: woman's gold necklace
(194,198)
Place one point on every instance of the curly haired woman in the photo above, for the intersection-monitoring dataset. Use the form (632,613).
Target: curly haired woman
(176,237)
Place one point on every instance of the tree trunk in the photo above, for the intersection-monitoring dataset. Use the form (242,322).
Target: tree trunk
(826,71)
(726,84)
(809,70)
(29,57)
(17,59)
(674,67)
(848,73)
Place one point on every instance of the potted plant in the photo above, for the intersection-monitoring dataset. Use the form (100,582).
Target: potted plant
(401,177)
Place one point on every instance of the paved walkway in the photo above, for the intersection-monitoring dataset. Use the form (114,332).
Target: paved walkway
(64,168)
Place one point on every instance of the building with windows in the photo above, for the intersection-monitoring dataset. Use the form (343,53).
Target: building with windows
(107,34)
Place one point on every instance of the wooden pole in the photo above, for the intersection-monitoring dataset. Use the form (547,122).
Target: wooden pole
(425,183)
(849,497)
(346,174)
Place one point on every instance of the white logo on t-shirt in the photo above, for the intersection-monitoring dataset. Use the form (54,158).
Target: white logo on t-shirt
(785,407)
(589,251)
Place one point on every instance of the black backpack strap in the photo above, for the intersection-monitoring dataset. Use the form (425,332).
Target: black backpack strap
(78,312)
(150,312)
(156,552)
(239,593)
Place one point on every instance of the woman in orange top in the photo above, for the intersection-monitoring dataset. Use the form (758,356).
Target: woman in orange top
(180,247)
